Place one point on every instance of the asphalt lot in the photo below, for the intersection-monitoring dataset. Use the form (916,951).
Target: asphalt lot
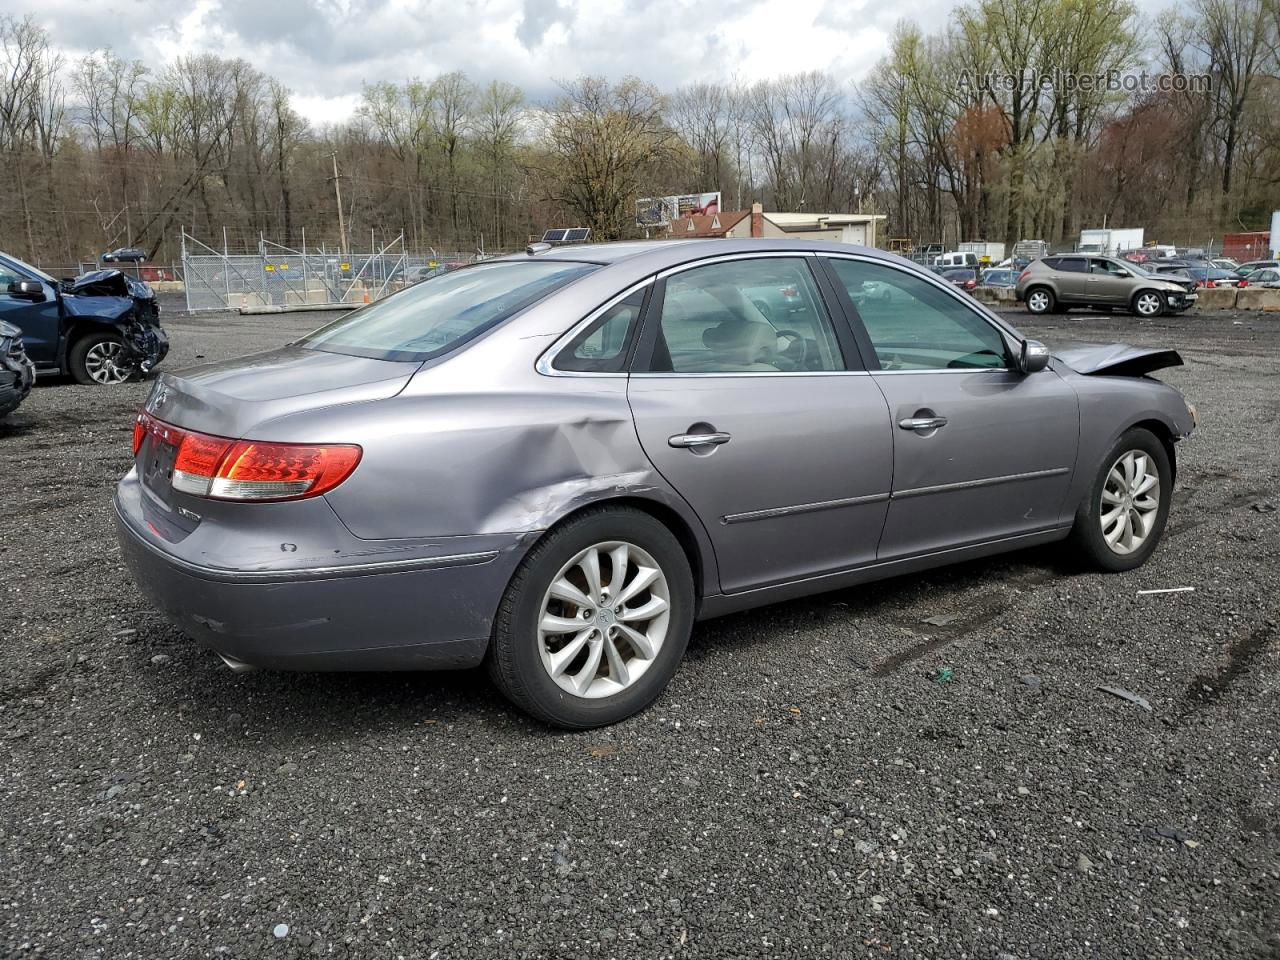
(807,787)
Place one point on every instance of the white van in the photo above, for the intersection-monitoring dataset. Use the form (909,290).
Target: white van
(955,258)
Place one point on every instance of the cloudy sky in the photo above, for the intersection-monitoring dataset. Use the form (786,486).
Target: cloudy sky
(324,50)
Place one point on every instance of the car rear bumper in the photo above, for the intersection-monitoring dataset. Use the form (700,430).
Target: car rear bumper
(411,613)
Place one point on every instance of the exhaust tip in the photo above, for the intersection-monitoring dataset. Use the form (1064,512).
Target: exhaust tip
(239,666)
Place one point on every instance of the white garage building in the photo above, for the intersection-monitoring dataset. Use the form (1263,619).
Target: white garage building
(856,228)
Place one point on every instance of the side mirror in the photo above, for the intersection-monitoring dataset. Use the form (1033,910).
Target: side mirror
(27,290)
(1033,357)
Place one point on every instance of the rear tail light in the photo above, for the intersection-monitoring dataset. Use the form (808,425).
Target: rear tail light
(1242,284)
(225,469)
(970,284)
(1024,274)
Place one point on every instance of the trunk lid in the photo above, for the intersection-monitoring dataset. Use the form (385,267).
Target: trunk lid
(231,397)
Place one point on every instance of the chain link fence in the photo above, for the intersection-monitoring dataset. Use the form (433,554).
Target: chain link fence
(276,275)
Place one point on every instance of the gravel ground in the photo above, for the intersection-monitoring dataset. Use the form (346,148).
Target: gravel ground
(807,787)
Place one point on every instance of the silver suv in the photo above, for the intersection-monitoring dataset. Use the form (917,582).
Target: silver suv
(1053,284)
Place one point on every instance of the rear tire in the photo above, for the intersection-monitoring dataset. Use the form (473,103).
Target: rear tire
(1099,536)
(1040,300)
(98,359)
(592,674)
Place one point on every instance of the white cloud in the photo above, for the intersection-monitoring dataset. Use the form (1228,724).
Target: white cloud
(325,50)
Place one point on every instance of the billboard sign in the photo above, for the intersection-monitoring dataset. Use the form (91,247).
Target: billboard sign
(655,211)
(701,204)
(660,211)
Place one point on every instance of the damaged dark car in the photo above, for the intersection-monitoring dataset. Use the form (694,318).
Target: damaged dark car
(17,372)
(100,328)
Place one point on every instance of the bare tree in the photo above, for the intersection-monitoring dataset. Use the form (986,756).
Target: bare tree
(601,139)
(496,127)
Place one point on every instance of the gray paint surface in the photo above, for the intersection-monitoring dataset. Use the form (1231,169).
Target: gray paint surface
(477,452)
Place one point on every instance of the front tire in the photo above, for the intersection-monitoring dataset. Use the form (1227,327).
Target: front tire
(1148,303)
(595,620)
(99,359)
(1123,516)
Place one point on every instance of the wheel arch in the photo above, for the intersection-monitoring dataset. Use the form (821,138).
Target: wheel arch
(1164,433)
(697,548)
(82,327)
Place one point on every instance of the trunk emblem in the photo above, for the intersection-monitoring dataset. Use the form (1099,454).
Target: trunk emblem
(159,396)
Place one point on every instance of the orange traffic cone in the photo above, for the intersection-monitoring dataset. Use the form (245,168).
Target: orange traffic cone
(366,295)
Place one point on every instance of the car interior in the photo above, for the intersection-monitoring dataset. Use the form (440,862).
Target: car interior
(742,317)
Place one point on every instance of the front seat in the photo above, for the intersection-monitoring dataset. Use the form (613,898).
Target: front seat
(740,345)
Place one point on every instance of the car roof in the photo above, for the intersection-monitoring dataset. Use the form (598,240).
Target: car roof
(660,254)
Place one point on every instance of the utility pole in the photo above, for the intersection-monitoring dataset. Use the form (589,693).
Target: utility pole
(337,192)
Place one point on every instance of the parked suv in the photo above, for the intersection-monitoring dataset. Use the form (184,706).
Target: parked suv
(1058,282)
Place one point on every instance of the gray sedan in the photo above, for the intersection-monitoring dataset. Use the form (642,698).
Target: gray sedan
(554,463)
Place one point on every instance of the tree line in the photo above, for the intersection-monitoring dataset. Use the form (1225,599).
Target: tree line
(974,131)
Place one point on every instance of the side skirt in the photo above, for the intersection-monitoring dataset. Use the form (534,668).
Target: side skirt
(720,604)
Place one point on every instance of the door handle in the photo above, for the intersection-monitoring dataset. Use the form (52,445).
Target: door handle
(922,423)
(697,439)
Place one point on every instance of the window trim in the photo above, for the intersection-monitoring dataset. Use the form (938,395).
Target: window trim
(849,349)
(545,364)
(1010,339)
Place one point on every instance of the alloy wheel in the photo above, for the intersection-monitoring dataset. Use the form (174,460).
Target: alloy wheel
(105,362)
(604,619)
(1149,304)
(1038,302)
(1130,502)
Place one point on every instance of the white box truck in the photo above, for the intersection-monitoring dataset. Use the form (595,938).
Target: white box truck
(1110,241)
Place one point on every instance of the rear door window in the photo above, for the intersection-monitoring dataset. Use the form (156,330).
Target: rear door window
(602,346)
(1072,264)
(751,315)
(440,313)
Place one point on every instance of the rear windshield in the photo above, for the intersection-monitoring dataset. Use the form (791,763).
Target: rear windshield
(440,313)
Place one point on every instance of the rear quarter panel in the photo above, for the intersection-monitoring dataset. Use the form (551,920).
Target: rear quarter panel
(481,443)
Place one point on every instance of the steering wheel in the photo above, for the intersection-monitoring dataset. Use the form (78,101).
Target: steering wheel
(797,351)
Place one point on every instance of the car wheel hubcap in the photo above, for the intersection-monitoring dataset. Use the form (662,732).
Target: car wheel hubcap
(604,619)
(104,363)
(1039,301)
(1130,502)
(1149,303)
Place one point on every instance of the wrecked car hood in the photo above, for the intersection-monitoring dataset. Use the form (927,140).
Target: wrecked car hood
(1117,359)
(107,283)
(113,297)
(110,295)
